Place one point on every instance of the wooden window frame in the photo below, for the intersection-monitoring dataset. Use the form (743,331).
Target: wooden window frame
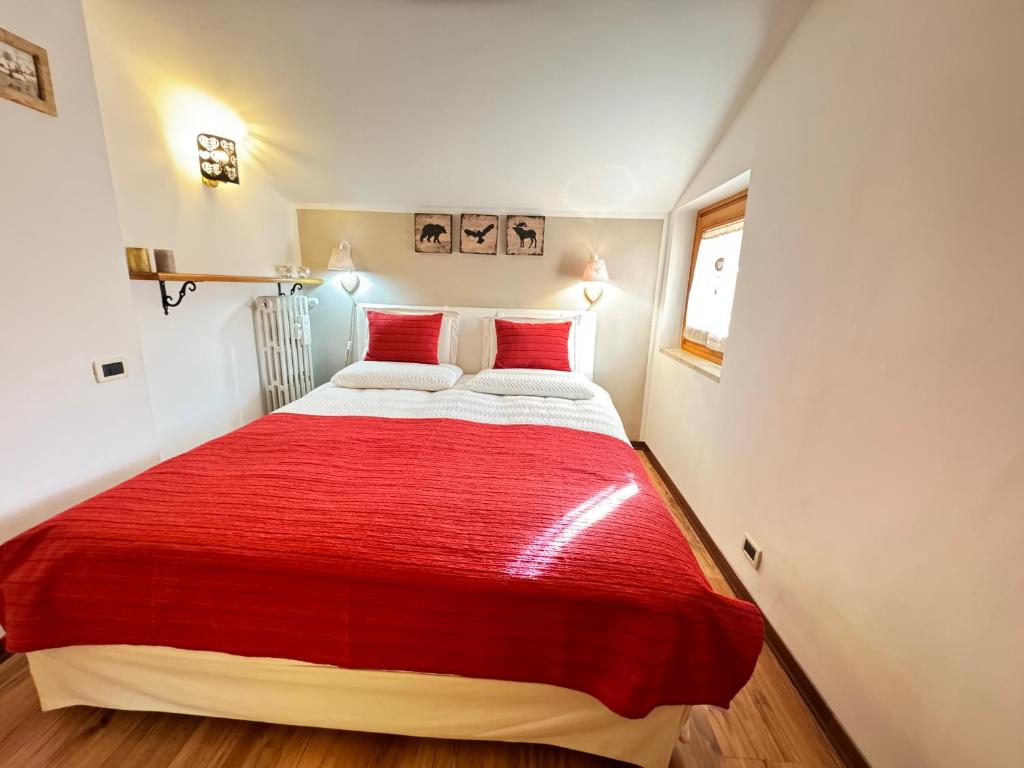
(732,208)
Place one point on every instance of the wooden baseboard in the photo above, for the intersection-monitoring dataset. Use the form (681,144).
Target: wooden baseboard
(834,731)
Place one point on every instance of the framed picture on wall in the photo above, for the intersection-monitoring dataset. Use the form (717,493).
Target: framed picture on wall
(25,73)
(524,235)
(478,233)
(433,232)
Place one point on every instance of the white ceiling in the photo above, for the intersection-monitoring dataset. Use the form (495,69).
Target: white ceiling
(585,106)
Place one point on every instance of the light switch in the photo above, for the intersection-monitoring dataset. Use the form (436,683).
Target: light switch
(752,551)
(109,369)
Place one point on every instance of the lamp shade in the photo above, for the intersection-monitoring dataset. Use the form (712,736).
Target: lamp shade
(595,271)
(341,258)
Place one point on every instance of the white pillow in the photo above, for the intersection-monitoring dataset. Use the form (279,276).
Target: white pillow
(371,374)
(532,381)
(447,339)
(491,336)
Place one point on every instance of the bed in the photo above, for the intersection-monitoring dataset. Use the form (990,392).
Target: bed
(449,564)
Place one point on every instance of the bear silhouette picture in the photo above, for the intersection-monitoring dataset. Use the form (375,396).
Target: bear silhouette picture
(432,232)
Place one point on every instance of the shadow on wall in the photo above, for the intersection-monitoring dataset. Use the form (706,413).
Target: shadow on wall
(571,262)
(331,320)
(239,363)
(13,522)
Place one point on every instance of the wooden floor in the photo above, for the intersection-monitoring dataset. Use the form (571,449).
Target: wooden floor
(768,726)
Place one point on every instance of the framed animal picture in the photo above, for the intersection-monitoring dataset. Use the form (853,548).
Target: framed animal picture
(25,73)
(478,233)
(524,236)
(433,232)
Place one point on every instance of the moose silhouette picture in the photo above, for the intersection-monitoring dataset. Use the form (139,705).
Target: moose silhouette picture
(433,232)
(478,233)
(524,235)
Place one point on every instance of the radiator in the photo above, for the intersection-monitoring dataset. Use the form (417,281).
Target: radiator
(283,346)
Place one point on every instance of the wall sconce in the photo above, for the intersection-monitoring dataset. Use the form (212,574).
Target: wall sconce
(341,261)
(596,271)
(218,160)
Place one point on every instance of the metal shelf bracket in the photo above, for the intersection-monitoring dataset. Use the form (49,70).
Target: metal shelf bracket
(166,300)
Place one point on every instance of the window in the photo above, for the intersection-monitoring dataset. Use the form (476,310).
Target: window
(714,264)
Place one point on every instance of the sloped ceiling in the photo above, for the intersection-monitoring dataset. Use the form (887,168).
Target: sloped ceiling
(571,106)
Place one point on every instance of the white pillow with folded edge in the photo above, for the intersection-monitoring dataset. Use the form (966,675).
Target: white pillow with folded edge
(535,382)
(372,374)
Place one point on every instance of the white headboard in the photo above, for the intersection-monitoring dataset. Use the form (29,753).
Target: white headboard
(474,326)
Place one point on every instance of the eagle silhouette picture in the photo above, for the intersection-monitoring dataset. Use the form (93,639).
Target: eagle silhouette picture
(478,233)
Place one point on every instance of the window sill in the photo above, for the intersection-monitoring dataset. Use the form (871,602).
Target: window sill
(705,367)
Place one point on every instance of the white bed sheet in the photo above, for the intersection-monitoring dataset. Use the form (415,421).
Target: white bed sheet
(595,415)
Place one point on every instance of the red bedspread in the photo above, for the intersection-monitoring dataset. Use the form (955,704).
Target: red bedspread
(525,553)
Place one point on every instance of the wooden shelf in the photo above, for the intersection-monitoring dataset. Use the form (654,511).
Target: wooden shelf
(188,282)
(183,277)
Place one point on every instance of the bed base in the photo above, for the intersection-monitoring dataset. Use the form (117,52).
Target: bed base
(203,683)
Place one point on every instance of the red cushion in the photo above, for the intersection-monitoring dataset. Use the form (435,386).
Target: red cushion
(403,338)
(532,345)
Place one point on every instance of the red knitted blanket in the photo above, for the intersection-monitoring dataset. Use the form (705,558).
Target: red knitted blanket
(524,553)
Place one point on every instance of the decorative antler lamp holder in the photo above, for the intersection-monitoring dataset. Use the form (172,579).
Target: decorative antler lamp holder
(595,271)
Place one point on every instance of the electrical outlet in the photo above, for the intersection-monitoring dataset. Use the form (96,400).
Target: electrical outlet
(752,551)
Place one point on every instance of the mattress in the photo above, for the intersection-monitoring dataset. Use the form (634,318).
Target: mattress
(503,538)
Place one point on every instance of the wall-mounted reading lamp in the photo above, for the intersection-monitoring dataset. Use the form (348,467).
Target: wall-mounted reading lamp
(594,272)
(218,159)
(341,261)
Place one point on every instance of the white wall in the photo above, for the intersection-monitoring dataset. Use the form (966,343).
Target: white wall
(392,272)
(63,437)
(201,359)
(867,427)
(396,103)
